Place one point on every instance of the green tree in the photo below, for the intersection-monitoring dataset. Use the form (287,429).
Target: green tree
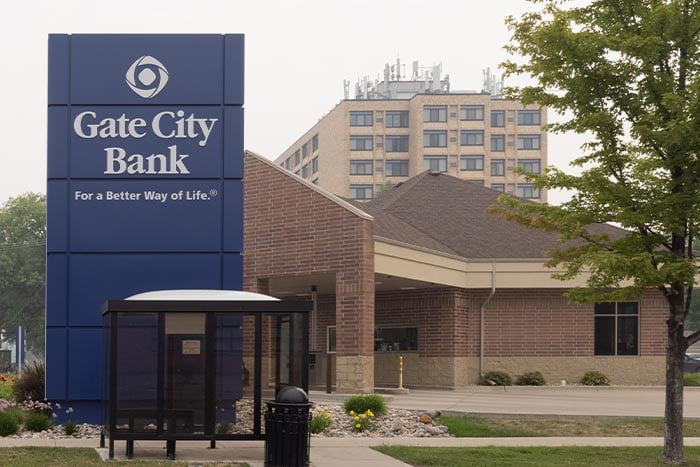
(626,73)
(22,266)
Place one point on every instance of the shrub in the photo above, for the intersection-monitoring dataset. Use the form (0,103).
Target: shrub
(361,403)
(223,427)
(361,422)
(37,422)
(319,422)
(69,428)
(496,378)
(30,384)
(691,379)
(17,413)
(8,424)
(595,378)
(531,378)
(6,387)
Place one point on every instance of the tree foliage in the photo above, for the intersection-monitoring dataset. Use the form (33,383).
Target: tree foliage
(626,72)
(22,266)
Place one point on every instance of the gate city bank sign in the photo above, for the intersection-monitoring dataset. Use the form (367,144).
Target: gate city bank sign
(145,161)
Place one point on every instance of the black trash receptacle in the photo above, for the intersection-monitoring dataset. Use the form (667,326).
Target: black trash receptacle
(287,438)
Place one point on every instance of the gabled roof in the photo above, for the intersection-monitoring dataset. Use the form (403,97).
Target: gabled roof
(448,214)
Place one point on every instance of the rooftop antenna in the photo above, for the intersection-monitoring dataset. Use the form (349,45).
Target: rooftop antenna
(346,89)
(492,84)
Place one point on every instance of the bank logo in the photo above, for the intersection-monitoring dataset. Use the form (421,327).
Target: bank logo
(147,77)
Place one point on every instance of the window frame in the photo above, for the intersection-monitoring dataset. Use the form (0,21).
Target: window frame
(378,337)
(400,114)
(523,163)
(364,138)
(527,119)
(355,163)
(502,139)
(502,187)
(314,165)
(441,134)
(401,162)
(363,186)
(521,139)
(465,134)
(617,315)
(328,339)
(314,143)
(495,113)
(428,111)
(356,121)
(402,139)
(435,158)
(464,113)
(531,186)
(502,164)
(471,157)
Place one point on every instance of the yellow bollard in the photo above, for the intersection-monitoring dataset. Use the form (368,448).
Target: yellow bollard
(400,374)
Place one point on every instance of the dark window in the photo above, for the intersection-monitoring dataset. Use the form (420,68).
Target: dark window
(498,187)
(314,165)
(435,113)
(435,139)
(498,118)
(498,143)
(360,143)
(616,328)
(397,143)
(361,119)
(471,112)
(305,150)
(361,167)
(471,137)
(396,119)
(288,163)
(330,339)
(528,190)
(435,163)
(530,165)
(395,339)
(361,191)
(477,182)
(528,142)
(305,171)
(498,167)
(297,157)
(528,117)
(314,143)
(397,168)
(471,163)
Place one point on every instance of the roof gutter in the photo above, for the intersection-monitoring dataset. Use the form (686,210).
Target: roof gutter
(482,312)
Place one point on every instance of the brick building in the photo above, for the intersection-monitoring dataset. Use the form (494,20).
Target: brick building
(454,291)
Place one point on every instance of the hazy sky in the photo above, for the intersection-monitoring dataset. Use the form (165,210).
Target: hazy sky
(297,55)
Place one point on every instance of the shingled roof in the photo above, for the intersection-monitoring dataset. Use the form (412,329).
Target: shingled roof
(448,214)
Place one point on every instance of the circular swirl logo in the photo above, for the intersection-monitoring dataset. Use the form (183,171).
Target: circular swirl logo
(147,77)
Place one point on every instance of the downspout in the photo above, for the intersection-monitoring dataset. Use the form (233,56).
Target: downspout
(481,319)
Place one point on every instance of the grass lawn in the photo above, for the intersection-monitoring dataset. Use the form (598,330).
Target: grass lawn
(513,425)
(535,456)
(73,457)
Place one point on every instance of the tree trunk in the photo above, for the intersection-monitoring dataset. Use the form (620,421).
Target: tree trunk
(675,351)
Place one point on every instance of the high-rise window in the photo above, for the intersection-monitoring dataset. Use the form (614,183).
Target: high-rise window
(471,137)
(530,165)
(361,118)
(498,118)
(396,168)
(498,167)
(361,167)
(498,143)
(435,139)
(528,191)
(435,163)
(528,117)
(361,143)
(435,113)
(297,157)
(471,112)
(396,119)
(616,329)
(471,163)
(527,142)
(361,191)
(498,187)
(305,171)
(314,143)
(314,165)
(305,150)
(396,143)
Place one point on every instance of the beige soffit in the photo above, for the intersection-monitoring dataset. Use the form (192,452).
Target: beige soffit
(339,201)
(402,260)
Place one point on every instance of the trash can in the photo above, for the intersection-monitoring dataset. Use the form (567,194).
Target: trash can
(287,437)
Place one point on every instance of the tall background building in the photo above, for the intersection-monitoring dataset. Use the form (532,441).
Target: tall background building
(396,128)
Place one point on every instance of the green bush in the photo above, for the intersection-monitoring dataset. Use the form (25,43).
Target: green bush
(595,378)
(8,424)
(691,379)
(224,427)
(319,422)
(17,413)
(531,378)
(69,428)
(30,384)
(361,403)
(37,421)
(496,378)
(6,390)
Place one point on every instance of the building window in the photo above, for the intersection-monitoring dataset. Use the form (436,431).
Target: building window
(361,118)
(435,163)
(616,328)
(435,139)
(396,168)
(314,165)
(297,157)
(395,338)
(397,143)
(361,191)
(315,181)
(330,339)
(471,163)
(498,118)
(530,165)
(528,191)
(471,112)
(435,113)
(305,171)
(498,143)
(361,167)
(498,187)
(528,142)
(314,143)
(360,143)
(288,163)
(498,167)
(305,150)
(528,117)
(471,137)
(396,119)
